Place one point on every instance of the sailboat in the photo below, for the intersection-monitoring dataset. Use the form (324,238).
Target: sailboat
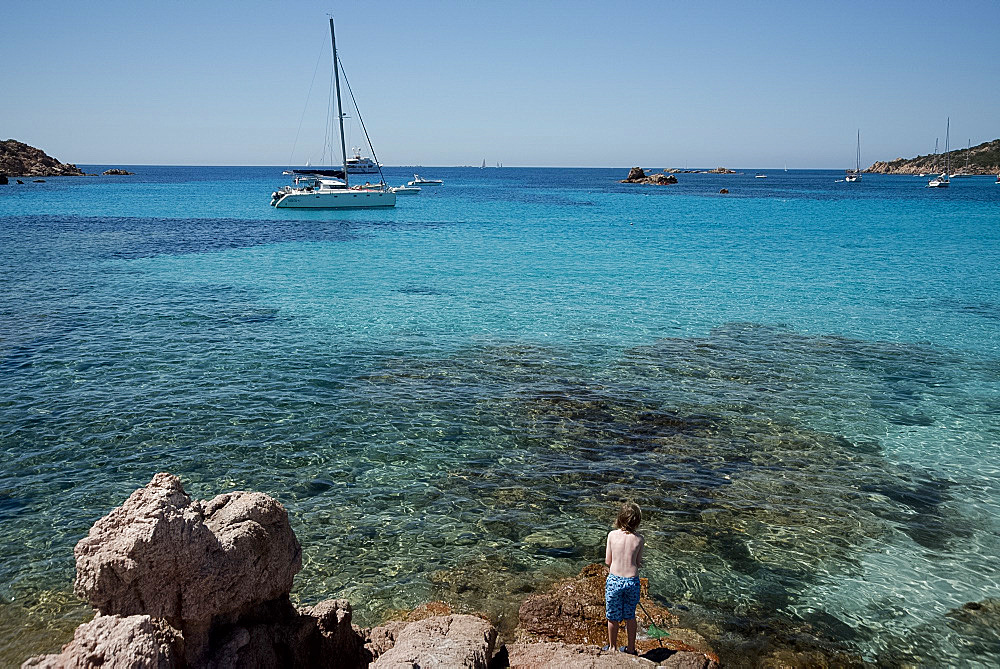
(483,166)
(329,188)
(942,180)
(856,174)
(965,173)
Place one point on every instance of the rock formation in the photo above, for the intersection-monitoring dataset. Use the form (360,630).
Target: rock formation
(116,172)
(636,175)
(19,159)
(117,642)
(983,159)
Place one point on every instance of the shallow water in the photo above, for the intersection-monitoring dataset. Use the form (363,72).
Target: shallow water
(798,382)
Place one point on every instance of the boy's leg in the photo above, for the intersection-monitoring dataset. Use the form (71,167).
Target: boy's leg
(630,628)
(613,634)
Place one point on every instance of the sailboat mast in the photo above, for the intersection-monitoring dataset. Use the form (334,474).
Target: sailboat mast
(340,110)
(947,146)
(858,169)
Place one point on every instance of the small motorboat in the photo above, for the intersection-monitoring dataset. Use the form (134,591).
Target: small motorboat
(760,176)
(941,181)
(417,181)
(405,190)
(996,182)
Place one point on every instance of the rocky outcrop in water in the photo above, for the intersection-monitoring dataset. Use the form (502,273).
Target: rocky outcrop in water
(983,159)
(19,159)
(116,172)
(636,175)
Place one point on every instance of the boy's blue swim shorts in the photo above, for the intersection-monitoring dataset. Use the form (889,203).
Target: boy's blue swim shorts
(621,595)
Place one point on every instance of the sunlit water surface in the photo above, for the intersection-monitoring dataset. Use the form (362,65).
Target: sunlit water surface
(798,382)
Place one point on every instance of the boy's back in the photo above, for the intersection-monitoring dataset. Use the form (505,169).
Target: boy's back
(624,553)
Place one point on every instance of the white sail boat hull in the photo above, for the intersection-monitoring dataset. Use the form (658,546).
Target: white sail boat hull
(350,199)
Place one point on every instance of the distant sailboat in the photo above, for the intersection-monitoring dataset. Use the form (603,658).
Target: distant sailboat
(942,180)
(856,174)
(965,173)
(483,166)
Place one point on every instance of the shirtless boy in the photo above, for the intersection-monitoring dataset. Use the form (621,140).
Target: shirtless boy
(621,593)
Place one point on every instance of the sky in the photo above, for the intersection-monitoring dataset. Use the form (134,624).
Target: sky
(539,83)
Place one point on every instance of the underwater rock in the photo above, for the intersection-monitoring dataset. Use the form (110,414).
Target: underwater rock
(448,641)
(116,642)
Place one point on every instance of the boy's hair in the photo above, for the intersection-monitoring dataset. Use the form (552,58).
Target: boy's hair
(629,517)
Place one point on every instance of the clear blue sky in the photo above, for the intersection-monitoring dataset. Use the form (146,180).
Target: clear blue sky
(448,82)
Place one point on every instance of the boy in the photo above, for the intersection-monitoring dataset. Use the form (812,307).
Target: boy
(621,592)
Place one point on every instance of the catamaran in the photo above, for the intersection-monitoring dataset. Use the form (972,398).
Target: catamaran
(330,188)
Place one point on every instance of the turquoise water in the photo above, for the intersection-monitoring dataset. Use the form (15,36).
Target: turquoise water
(798,381)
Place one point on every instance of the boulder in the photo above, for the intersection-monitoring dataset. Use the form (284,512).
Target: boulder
(117,642)
(635,174)
(441,641)
(724,191)
(192,563)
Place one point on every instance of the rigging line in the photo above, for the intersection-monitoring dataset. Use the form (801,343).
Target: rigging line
(361,120)
(306,106)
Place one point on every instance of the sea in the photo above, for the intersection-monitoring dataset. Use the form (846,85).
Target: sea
(798,381)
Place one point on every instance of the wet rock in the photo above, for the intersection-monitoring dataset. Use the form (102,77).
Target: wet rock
(3,180)
(117,642)
(450,641)
(724,191)
(573,611)
(116,172)
(189,562)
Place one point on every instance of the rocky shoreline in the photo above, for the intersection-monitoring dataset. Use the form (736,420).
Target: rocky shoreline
(17,159)
(984,159)
(177,582)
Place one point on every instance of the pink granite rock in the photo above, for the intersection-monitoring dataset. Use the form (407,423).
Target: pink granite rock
(441,642)
(556,655)
(116,642)
(164,555)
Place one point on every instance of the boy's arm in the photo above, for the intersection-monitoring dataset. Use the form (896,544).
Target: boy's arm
(607,551)
(638,555)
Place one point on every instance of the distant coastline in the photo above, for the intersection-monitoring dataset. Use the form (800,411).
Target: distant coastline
(983,159)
